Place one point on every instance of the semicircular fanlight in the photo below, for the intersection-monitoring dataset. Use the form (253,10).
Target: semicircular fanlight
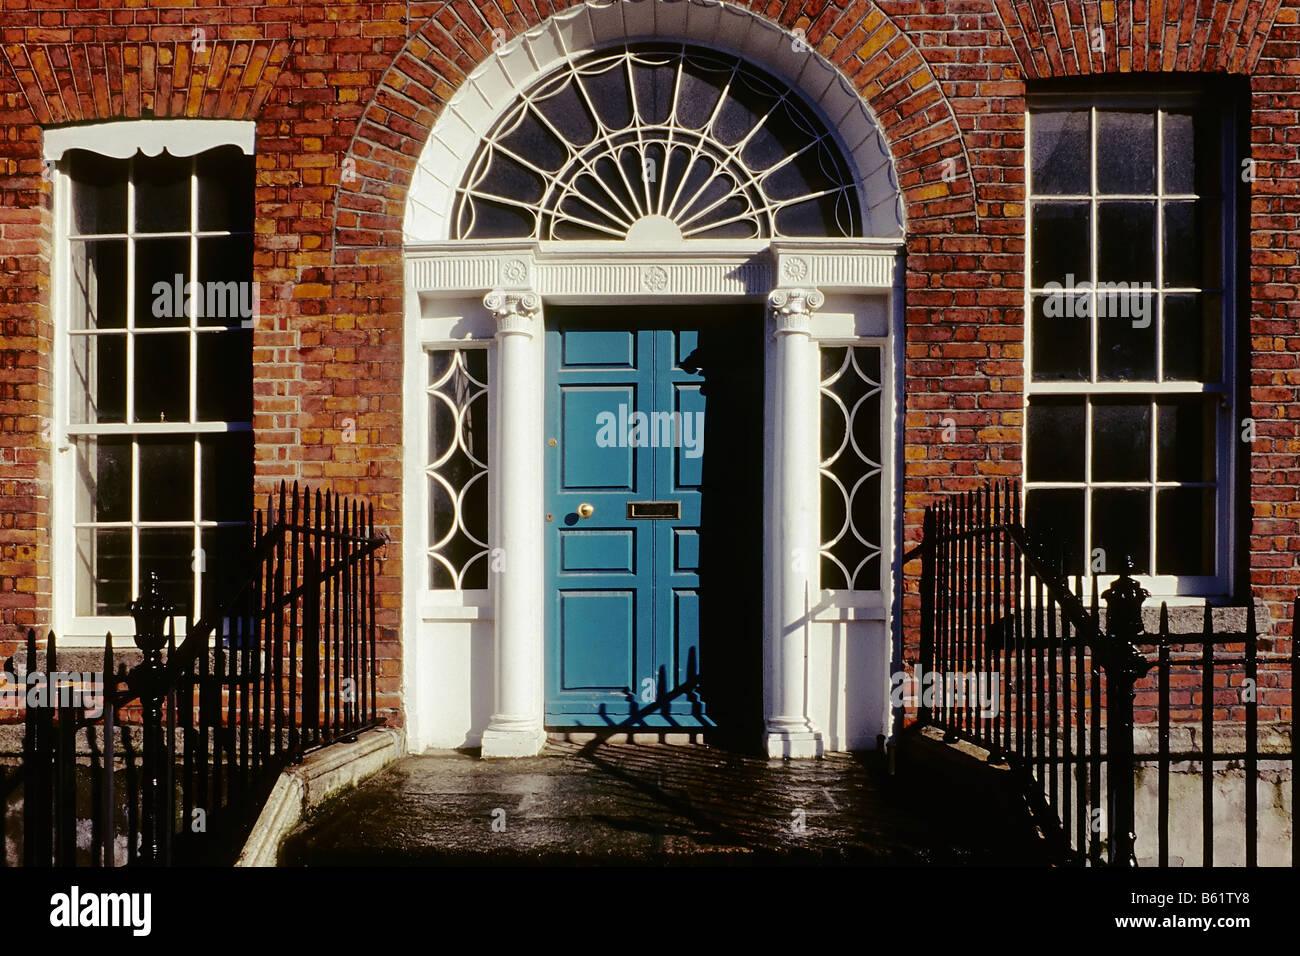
(658,141)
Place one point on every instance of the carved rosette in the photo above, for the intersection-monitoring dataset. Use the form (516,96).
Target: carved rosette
(514,312)
(792,310)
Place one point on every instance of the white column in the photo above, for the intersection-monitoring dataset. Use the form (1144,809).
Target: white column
(795,526)
(515,728)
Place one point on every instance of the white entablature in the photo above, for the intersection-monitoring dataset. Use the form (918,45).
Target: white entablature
(562,271)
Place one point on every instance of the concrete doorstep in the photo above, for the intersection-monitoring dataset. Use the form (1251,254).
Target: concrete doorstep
(305,786)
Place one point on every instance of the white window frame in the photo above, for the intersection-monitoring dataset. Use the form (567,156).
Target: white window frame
(117,140)
(1175,588)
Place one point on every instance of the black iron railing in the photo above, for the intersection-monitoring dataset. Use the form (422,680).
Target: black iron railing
(187,745)
(1019,665)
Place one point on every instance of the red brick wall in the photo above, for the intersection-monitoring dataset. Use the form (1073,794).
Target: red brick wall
(328,83)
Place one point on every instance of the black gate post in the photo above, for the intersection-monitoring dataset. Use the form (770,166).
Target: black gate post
(1124,666)
(150,611)
(928,545)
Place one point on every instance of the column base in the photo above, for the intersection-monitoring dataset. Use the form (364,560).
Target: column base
(513,737)
(797,743)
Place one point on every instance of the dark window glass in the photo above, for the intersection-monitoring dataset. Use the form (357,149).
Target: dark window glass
(1059,241)
(1185,529)
(220,386)
(1126,242)
(1121,525)
(1192,237)
(1054,518)
(99,285)
(1126,337)
(1193,338)
(1126,152)
(1186,433)
(98,193)
(1121,440)
(1060,150)
(1192,144)
(170,552)
(162,279)
(162,381)
(1056,439)
(227,474)
(225,179)
(226,277)
(166,478)
(162,193)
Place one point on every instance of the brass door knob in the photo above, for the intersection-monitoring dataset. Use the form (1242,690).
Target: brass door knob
(586,510)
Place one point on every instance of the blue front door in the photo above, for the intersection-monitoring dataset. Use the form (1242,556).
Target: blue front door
(625,467)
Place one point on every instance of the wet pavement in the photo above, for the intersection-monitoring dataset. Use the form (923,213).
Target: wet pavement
(656,805)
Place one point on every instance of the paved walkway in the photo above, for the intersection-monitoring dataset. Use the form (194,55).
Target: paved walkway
(655,804)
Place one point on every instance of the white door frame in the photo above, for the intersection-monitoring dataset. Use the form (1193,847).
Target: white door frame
(506,286)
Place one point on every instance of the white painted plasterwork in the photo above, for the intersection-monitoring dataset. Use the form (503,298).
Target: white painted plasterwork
(122,138)
(592,271)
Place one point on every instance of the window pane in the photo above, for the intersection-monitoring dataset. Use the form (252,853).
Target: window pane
(1060,239)
(162,377)
(98,379)
(1192,337)
(225,181)
(1126,337)
(1060,148)
(226,279)
(1054,517)
(98,193)
(227,465)
(1192,153)
(103,571)
(104,478)
(1126,242)
(1192,231)
(225,367)
(162,193)
(167,478)
(1121,525)
(224,565)
(1121,441)
(98,294)
(1185,528)
(1126,152)
(1061,343)
(170,552)
(162,276)
(1185,445)
(1055,439)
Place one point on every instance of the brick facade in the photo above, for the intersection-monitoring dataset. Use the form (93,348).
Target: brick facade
(340,89)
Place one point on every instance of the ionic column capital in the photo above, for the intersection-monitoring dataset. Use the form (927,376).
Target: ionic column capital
(513,312)
(792,310)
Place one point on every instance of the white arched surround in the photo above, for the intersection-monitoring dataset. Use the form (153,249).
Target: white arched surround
(472,669)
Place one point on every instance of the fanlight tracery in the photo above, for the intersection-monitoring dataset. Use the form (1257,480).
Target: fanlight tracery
(658,141)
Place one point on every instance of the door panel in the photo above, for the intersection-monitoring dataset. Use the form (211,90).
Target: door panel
(627,423)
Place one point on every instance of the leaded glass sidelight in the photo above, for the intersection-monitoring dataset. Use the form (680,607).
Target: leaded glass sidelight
(656,141)
(851,470)
(457,469)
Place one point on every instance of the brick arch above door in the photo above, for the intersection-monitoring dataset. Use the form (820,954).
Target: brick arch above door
(870,54)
